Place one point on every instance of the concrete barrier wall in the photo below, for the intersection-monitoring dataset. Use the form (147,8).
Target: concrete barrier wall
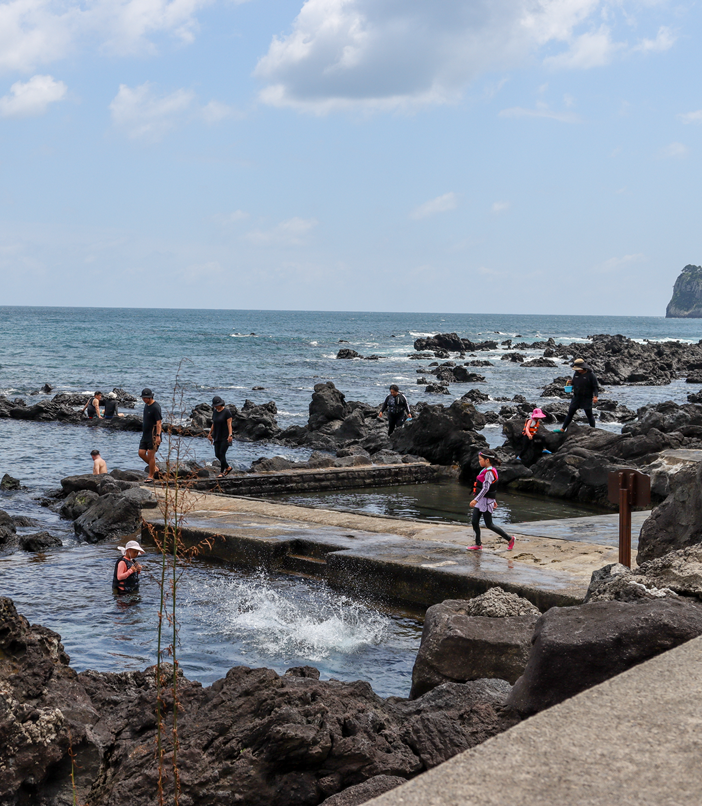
(329,478)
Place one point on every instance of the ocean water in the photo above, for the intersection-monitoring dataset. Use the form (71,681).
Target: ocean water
(227,616)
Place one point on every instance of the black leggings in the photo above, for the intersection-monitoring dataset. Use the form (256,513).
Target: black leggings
(475,523)
(220,449)
(394,420)
(586,406)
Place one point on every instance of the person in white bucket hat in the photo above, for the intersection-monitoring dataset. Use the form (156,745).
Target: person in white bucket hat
(126,575)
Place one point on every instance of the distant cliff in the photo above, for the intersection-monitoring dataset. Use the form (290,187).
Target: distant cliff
(687,295)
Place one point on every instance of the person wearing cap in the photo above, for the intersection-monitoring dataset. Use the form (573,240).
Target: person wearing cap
(531,443)
(126,575)
(585,391)
(484,501)
(111,406)
(151,433)
(221,434)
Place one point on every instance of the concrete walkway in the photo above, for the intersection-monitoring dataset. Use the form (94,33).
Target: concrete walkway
(408,561)
(635,740)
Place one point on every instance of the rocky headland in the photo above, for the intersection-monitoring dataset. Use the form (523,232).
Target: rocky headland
(686,302)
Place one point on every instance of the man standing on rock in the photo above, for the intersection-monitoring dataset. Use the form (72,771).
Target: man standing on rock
(585,391)
(397,408)
(151,433)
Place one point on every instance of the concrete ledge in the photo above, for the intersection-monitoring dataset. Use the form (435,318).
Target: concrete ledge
(634,740)
(328,478)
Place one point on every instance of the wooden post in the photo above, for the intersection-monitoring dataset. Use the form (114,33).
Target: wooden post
(625,519)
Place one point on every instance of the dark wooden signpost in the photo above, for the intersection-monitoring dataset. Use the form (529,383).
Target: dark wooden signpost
(628,488)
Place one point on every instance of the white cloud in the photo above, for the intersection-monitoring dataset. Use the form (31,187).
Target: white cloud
(691,117)
(201,272)
(675,151)
(31,98)
(542,110)
(616,263)
(215,111)
(591,49)
(441,204)
(34,32)
(500,207)
(146,116)
(237,215)
(665,39)
(388,54)
(291,232)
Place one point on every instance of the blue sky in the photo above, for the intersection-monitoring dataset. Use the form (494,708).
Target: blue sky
(516,156)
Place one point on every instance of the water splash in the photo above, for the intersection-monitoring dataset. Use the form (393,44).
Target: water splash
(285,620)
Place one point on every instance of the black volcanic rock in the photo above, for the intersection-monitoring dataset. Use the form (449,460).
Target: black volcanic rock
(686,302)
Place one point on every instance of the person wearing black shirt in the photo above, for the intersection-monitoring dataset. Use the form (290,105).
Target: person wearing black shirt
(93,406)
(151,433)
(221,434)
(585,391)
(397,408)
(111,406)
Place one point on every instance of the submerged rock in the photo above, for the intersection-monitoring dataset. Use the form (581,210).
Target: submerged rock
(8,482)
(39,541)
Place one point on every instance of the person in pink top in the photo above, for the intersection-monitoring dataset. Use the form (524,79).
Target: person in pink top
(485,501)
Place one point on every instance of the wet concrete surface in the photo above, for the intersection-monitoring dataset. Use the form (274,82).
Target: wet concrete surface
(410,563)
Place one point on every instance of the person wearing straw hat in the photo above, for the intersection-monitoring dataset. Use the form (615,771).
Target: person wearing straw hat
(126,575)
(585,391)
(531,446)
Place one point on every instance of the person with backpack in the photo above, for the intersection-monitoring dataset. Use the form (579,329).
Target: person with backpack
(397,408)
(585,391)
(484,503)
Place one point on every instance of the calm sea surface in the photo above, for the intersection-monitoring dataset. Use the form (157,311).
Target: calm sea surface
(227,616)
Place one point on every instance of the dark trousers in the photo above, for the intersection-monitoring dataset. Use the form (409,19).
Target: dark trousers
(220,449)
(530,450)
(487,516)
(394,420)
(586,406)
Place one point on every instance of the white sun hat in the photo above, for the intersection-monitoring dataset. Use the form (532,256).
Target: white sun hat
(132,544)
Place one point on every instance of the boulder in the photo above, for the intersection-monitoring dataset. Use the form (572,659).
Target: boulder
(616,582)
(8,482)
(442,435)
(372,788)
(128,475)
(328,404)
(488,637)
(475,396)
(201,416)
(8,532)
(110,516)
(39,541)
(345,352)
(290,740)
(516,358)
(45,410)
(255,422)
(575,648)
(436,389)
(86,481)
(677,522)
(540,362)
(77,502)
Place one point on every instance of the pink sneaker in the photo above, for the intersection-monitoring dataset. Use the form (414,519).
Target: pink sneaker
(474,548)
(510,545)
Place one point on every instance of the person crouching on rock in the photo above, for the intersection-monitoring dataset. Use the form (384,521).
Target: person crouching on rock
(397,408)
(221,434)
(484,502)
(531,446)
(126,575)
(585,391)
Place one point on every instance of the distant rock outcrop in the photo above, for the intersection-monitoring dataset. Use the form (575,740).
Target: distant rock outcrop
(687,295)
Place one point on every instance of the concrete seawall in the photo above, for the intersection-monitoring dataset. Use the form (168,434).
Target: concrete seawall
(328,478)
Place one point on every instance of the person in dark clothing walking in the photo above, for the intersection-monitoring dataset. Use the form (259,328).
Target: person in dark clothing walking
(585,391)
(397,408)
(221,434)
(151,433)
